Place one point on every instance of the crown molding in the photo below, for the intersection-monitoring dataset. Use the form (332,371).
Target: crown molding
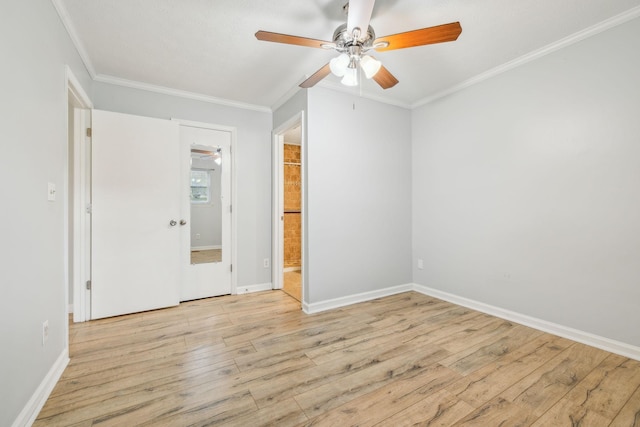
(179,93)
(71,30)
(287,96)
(536,54)
(84,56)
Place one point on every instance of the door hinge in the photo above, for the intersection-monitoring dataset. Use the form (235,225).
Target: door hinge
(89,132)
(88,285)
(88,208)
(231,268)
(230,208)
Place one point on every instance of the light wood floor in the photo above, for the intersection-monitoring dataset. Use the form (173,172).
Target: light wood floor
(206,256)
(407,359)
(292,284)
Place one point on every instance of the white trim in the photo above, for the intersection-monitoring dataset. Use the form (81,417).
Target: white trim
(179,93)
(73,35)
(538,53)
(277,226)
(80,191)
(304,215)
(317,307)
(234,211)
(617,347)
(205,248)
(31,410)
(73,85)
(203,125)
(70,309)
(254,288)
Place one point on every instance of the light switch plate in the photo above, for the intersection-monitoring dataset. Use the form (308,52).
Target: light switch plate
(51,193)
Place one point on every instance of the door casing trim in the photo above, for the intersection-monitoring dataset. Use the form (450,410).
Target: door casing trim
(81,168)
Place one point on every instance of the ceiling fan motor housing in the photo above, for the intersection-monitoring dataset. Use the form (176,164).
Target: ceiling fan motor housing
(343,39)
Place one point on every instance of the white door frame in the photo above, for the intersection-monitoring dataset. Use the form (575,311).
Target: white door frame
(80,192)
(234,220)
(277,229)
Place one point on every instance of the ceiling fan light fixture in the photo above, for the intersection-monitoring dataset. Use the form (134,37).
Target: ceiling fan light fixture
(350,77)
(339,64)
(370,66)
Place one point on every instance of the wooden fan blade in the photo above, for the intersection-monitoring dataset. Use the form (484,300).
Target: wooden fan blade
(316,77)
(385,79)
(295,40)
(431,35)
(359,15)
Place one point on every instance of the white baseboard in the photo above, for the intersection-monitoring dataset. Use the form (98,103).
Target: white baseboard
(31,410)
(254,288)
(317,307)
(613,346)
(617,347)
(70,309)
(205,248)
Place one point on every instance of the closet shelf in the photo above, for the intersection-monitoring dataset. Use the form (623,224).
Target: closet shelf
(292,211)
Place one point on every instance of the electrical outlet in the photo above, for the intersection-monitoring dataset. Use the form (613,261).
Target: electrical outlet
(265,263)
(420,264)
(45,331)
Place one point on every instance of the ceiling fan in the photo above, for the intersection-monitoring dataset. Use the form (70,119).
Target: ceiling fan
(353,44)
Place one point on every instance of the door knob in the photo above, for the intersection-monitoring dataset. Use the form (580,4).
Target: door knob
(183,222)
(172,222)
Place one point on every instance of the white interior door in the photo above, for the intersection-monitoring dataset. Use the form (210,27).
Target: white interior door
(206,248)
(135,200)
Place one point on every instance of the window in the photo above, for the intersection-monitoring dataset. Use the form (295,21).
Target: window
(200,186)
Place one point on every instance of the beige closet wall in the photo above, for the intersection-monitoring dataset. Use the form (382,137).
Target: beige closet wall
(292,205)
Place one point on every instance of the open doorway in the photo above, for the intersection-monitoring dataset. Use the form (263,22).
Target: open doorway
(78,197)
(288,233)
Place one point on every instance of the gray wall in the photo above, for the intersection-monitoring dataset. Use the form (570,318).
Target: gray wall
(35,48)
(526,188)
(252,161)
(289,109)
(358,195)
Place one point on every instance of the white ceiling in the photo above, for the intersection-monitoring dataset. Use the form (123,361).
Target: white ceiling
(208,47)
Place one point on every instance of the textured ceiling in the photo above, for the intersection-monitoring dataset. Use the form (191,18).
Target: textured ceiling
(208,46)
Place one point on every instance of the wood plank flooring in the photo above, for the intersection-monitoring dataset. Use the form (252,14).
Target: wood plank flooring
(206,256)
(292,284)
(408,359)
